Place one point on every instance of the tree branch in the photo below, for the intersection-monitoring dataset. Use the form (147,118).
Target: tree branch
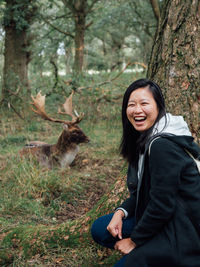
(156,9)
(114,78)
(91,6)
(11,106)
(140,21)
(68,4)
(59,30)
(88,25)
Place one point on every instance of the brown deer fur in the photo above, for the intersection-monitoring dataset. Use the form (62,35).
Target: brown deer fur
(60,154)
(64,151)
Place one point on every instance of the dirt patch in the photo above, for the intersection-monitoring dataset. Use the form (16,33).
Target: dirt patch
(97,176)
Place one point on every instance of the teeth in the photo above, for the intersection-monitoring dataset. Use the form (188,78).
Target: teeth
(139,118)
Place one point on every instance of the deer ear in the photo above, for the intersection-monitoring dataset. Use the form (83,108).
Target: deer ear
(65,127)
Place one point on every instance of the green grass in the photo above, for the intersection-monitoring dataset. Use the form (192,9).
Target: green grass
(31,196)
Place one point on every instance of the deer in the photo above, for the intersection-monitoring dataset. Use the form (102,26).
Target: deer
(63,153)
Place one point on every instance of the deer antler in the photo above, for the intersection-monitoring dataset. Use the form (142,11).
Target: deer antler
(67,106)
(39,104)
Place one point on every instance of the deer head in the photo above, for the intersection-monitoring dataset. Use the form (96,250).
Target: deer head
(64,151)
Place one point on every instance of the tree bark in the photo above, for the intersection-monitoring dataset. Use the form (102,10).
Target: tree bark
(68,56)
(80,21)
(17,20)
(175,57)
(15,62)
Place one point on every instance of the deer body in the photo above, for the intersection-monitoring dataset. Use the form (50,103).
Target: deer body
(65,150)
(68,158)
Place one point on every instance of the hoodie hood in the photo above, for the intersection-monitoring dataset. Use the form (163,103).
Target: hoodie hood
(176,129)
(172,125)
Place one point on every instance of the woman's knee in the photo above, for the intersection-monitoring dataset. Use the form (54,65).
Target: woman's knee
(95,230)
(99,226)
(99,230)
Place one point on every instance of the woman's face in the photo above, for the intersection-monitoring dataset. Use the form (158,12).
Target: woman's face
(142,110)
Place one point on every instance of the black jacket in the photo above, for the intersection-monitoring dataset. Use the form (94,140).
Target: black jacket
(165,233)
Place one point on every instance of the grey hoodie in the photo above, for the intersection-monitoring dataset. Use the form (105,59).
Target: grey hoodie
(180,133)
(172,125)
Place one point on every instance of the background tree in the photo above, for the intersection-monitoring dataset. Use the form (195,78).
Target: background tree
(80,9)
(128,41)
(175,59)
(75,11)
(18,16)
(143,25)
(53,42)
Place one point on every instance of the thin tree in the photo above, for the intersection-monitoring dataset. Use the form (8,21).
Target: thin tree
(80,10)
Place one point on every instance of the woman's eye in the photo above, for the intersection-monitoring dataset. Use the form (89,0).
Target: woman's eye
(131,105)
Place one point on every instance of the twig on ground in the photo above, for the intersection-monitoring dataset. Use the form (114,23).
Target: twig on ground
(11,106)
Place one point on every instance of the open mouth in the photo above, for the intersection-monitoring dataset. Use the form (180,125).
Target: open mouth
(139,119)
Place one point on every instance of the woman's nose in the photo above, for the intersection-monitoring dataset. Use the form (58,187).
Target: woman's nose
(138,109)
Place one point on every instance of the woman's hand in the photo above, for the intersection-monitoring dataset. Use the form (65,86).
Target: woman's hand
(125,245)
(115,225)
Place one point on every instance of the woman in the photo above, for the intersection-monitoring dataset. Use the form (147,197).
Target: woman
(157,225)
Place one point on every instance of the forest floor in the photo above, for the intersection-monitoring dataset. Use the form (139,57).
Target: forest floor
(33,196)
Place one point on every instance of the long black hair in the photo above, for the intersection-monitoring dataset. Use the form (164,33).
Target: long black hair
(132,141)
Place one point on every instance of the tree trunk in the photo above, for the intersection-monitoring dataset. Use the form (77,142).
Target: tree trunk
(79,38)
(18,16)
(175,57)
(16,62)
(68,55)
(80,10)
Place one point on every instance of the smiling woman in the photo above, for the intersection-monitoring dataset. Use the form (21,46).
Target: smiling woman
(152,226)
(142,109)
(143,100)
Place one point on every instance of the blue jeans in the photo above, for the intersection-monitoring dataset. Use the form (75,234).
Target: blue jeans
(101,235)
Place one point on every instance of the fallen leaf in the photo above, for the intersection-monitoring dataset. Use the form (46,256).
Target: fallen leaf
(66,237)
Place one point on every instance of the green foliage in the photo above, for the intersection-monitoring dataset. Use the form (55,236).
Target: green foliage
(108,43)
(49,29)
(129,40)
(20,13)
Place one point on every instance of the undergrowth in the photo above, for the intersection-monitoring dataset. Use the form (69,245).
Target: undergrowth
(31,196)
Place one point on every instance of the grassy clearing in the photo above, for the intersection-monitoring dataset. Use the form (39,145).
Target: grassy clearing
(32,197)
